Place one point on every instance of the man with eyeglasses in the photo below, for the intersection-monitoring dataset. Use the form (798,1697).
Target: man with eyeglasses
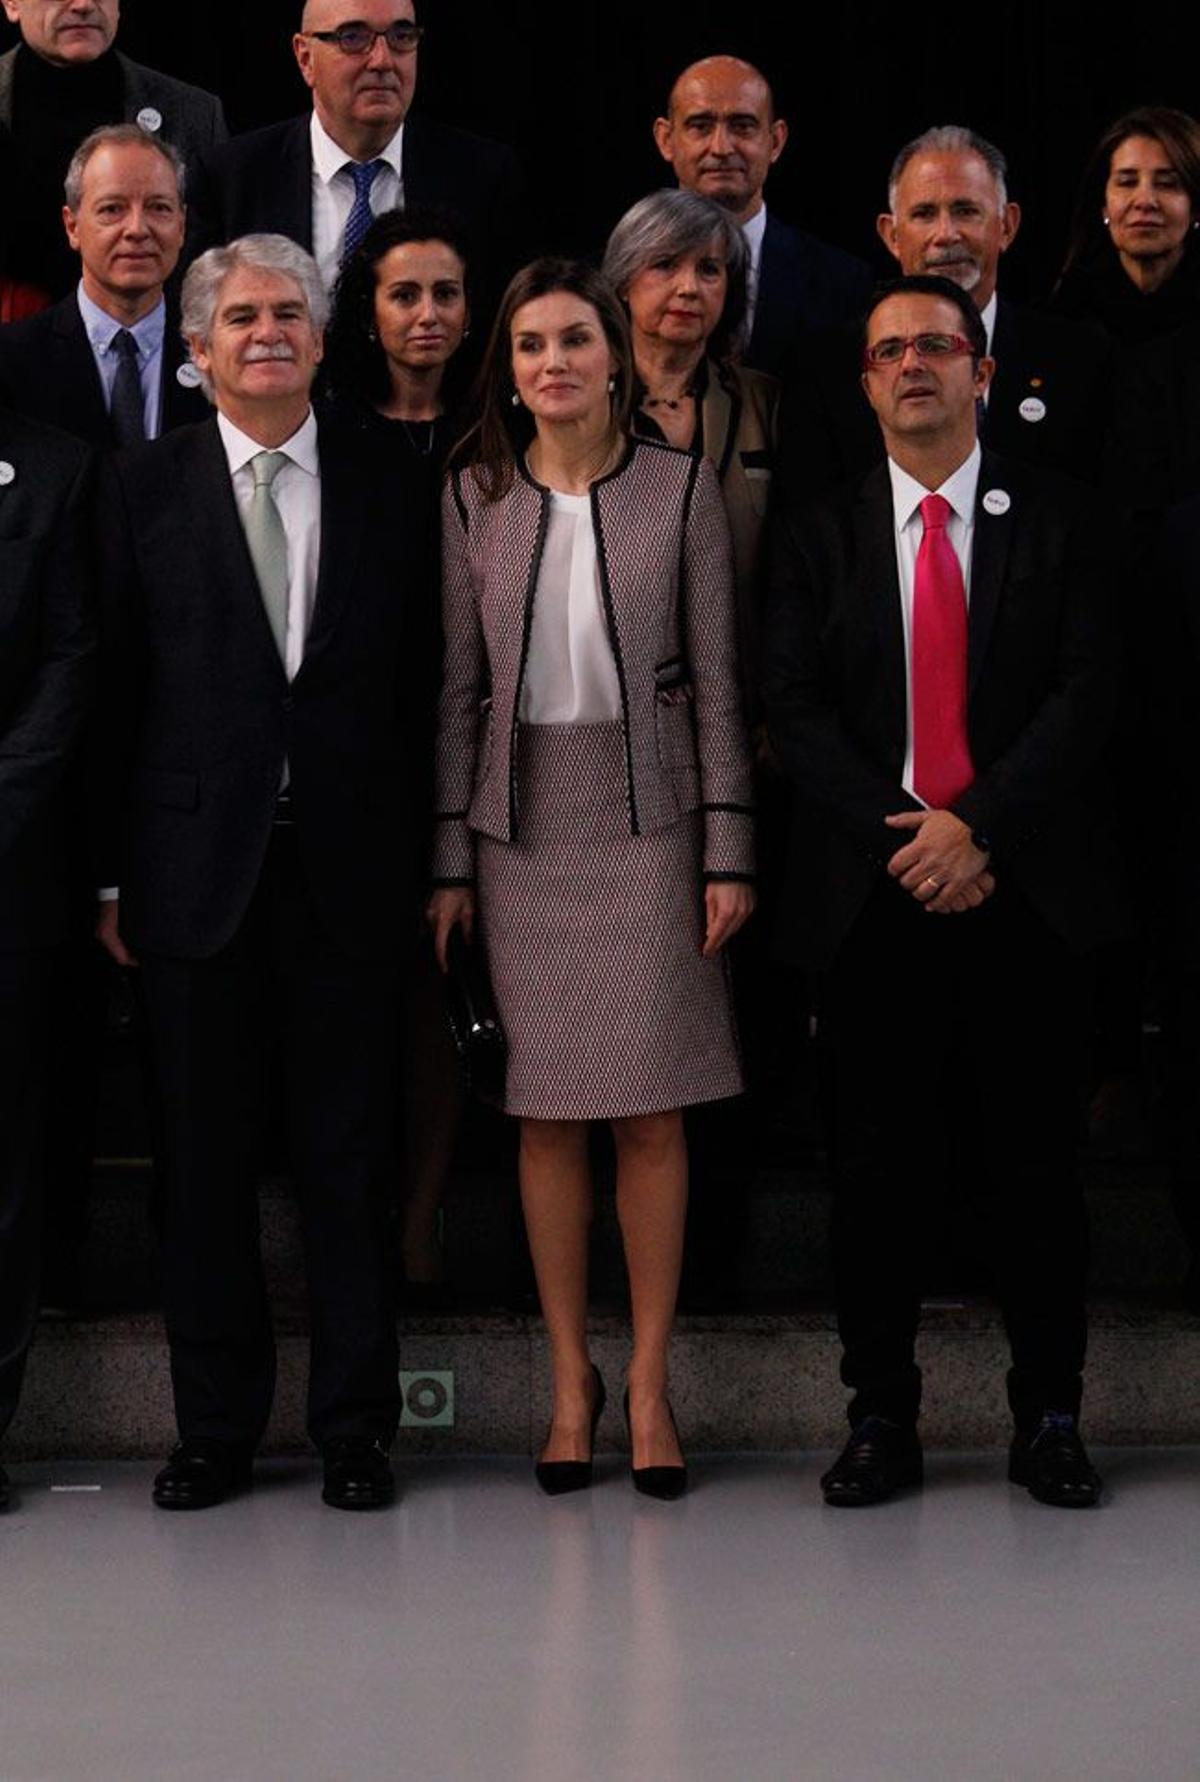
(321,179)
(940,687)
(949,214)
(62,81)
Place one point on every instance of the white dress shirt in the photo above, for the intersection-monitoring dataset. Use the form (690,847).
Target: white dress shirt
(101,328)
(754,228)
(907,495)
(296,492)
(570,674)
(333,194)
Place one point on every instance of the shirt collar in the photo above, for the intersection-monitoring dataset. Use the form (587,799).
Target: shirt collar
(958,489)
(100,327)
(754,228)
(301,448)
(329,158)
(987,316)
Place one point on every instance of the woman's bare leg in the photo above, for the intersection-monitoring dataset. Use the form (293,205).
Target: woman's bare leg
(556,1193)
(652,1190)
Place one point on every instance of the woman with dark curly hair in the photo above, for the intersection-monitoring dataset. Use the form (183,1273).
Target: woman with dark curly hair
(1132,266)
(401,312)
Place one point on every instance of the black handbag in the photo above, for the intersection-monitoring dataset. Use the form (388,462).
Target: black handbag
(474,1021)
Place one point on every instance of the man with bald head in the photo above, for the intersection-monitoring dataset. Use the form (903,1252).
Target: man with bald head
(722,136)
(63,80)
(949,214)
(321,178)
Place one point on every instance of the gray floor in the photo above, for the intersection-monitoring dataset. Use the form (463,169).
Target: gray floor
(480,1631)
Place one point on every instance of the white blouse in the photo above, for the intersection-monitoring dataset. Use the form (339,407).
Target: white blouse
(570,674)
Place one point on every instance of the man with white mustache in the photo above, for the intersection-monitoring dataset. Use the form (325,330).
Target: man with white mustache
(261,749)
(949,214)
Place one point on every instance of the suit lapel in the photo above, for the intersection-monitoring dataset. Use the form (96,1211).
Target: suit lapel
(989,558)
(75,370)
(343,515)
(721,414)
(879,580)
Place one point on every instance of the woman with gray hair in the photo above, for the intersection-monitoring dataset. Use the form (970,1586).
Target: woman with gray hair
(680,266)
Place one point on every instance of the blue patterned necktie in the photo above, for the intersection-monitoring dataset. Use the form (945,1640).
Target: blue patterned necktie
(361,216)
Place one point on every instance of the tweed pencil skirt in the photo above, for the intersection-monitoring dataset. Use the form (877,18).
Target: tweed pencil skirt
(593,942)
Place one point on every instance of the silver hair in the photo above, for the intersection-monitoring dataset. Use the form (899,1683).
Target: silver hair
(672,222)
(258,253)
(119,136)
(951,139)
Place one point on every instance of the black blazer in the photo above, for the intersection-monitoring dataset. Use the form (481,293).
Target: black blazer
(48,372)
(263,180)
(804,286)
(831,435)
(198,715)
(190,118)
(47,649)
(1152,453)
(1042,700)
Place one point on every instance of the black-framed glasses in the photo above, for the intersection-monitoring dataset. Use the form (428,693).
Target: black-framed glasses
(357,39)
(893,347)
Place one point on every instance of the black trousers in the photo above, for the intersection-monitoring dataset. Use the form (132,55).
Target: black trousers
(334,1020)
(936,1028)
(1181,1021)
(27,982)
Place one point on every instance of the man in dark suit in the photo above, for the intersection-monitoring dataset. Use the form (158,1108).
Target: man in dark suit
(940,687)
(321,178)
(107,363)
(262,576)
(721,136)
(949,214)
(46,664)
(61,82)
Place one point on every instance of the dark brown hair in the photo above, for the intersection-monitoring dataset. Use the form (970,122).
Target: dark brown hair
(1176,131)
(500,432)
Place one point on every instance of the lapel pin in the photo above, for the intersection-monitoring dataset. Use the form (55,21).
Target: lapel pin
(188,375)
(997,501)
(1032,409)
(150,118)
(8,473)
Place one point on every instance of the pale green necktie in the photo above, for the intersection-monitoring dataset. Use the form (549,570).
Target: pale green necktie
(268,544)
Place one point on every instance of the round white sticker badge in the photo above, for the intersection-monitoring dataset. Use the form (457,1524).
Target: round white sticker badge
(150,118)
(997,501)
(188,375)
(8,473)
(1032,409)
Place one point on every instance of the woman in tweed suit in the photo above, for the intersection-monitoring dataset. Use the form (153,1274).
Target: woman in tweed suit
(593,806)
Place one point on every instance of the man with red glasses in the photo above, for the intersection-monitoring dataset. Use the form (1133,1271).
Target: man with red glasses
(940,686)
(320,179)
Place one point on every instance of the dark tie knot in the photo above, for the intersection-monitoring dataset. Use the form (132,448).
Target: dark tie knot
(125,346)
(935,511)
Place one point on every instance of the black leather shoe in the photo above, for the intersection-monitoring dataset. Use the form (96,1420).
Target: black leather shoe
(1052,1464)
(665,1482)
(559,1476)
(358,1474)
(880,1459)
(200,1473)
(4,1489)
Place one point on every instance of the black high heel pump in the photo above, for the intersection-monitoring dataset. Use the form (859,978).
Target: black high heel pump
(666,1482)
(558,1476)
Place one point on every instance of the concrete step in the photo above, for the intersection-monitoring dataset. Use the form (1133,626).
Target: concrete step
(480,1384)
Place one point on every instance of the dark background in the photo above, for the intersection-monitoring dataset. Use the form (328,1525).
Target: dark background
(574,85)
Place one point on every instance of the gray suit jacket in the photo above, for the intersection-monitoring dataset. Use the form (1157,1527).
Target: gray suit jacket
(666,582)
(191,119)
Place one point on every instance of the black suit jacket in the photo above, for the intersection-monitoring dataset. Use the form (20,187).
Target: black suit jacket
(47,648)
(48,372)
(189,117)
(1152,453)
(1042,698)
(199,717)
(831,435)
(264,181)
(804,286)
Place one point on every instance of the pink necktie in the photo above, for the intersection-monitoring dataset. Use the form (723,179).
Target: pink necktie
(941,755)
